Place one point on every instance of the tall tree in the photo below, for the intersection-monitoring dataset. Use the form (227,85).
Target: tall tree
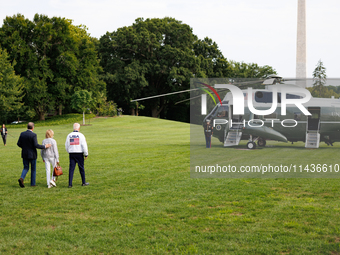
(36,46)
(151,57)
(210,61)
(11,88)
(319,80)
(158,56)
(88,69)
(251,70)
(53,56)
(81,100)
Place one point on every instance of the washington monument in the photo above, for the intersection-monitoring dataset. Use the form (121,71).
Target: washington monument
(301,57)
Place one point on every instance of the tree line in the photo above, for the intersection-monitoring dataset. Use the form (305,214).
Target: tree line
(51,66)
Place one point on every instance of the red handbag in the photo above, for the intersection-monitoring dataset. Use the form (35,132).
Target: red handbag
(57,170)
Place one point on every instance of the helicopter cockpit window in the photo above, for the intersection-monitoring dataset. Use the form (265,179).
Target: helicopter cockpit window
(222,112)
(214,110)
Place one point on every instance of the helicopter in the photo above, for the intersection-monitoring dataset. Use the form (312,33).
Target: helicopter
(312,121)
(280,111)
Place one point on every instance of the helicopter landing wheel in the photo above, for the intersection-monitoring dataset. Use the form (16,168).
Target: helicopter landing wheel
(261,142)
(251,145)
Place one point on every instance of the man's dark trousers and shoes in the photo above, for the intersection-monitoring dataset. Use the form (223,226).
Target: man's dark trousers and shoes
(21,183)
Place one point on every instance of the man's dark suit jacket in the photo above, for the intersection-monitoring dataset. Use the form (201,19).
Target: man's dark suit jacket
(28,142)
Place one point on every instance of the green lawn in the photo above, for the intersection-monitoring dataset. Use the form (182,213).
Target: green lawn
(141,199)
(279,156)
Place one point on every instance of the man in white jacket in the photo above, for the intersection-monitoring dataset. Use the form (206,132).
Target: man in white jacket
(76,146)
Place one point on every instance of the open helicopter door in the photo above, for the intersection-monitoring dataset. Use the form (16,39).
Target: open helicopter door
(313,127)
(234,134)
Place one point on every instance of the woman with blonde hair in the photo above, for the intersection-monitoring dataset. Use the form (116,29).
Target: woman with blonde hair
(51,157)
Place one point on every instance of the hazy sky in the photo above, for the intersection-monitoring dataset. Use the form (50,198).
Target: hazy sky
(261,31)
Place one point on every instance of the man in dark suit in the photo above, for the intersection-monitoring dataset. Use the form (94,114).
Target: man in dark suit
(28,143)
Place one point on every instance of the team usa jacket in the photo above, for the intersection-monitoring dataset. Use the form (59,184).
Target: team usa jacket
(76,143)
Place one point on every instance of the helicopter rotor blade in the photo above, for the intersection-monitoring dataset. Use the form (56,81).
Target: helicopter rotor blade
(187,99)
(162,95)
(240,84)
(191,98)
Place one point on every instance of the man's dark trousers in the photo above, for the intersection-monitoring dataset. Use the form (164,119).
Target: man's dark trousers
(33,163)
(79,159)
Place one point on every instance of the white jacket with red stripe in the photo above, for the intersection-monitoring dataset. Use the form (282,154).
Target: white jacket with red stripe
(76,143)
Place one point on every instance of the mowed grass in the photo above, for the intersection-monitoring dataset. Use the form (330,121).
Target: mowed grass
(302,162)
(141,199)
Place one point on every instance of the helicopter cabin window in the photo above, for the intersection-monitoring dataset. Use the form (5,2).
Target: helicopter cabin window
(267,97)
(222,112)
(263,97)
